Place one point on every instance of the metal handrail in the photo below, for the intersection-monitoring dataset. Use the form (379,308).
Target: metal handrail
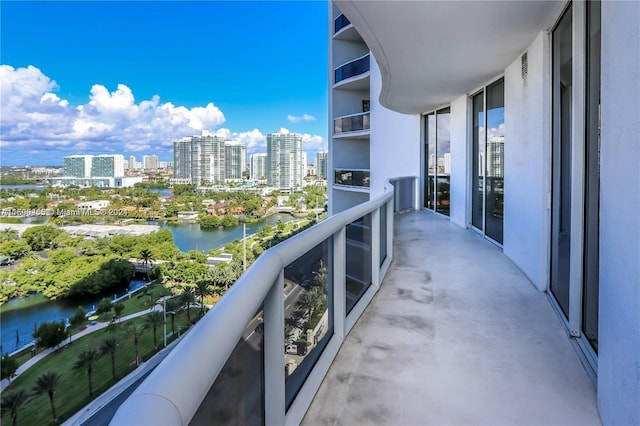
(161,399)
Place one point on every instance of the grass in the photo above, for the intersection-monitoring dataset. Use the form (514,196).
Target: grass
(73,394)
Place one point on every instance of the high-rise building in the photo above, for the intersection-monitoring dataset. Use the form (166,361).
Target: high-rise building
(259,166)
(107,165)
(235,159)
(131,164)
(303,167)
(182,158)
(150,162)
(200,159)
(322,158)
(77,166)
(284,160)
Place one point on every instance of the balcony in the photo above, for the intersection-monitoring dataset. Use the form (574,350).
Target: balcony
(456,334)
(351,75)
(358,177)
(354,123)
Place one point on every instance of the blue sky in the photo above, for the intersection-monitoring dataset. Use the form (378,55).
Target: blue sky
(131,77)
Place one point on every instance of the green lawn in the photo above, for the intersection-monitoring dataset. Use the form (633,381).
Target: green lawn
(73,394)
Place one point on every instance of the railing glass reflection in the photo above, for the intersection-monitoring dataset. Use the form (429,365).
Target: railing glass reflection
(351,69)
(352,123)
(308,322)
(358,251)
(237,395)
(352,178)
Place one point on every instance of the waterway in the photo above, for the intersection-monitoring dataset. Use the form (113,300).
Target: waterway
(19,317)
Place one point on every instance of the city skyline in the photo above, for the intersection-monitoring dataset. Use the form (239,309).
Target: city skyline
(117,90)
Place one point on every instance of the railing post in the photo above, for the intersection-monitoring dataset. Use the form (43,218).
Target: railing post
(375,247)
(339,282)
(274,386)
(390,229)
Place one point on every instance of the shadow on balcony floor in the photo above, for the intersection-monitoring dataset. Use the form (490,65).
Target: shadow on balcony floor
(456,335)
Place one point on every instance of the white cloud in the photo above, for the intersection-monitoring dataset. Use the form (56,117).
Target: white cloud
(303,117)
(35,117)
(36,120)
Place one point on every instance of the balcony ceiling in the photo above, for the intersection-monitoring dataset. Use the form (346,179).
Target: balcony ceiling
(430,52)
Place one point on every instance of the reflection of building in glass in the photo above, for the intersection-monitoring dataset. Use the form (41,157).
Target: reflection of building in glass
(495,157)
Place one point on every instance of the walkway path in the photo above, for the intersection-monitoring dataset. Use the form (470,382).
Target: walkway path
(88,330)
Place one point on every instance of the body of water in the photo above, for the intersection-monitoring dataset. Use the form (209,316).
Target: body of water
(20,187)
(19,317)
(188,235)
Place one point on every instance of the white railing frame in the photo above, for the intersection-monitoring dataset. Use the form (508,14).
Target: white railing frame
(174,391)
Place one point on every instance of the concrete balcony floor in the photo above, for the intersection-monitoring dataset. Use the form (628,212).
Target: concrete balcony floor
(457,335)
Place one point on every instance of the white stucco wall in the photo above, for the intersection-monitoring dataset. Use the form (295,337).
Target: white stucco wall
(459,160)
(619,328)
(527,159)
(395,140)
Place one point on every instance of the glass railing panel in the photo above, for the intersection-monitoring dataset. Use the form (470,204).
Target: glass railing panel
(352,123)
(351,69)
(353,177)
(308,313)
(237,395)
(358,260)
(340,22)
(383,233)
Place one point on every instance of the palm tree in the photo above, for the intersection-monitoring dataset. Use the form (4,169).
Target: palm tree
(153,320)
(109,346)
(13,402)
(225,276)
(171,306)
(135,332)
(147,259)
(47,383)
(187,297)
(203,289)
(86,361)
(309,301)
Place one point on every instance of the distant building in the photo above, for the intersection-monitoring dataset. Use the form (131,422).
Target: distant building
(259,166)
(77,166)
(311,169)
(131,163)
(322,164)
(235,159)
(284,160)
(150,162)
(107,165)
(200,159)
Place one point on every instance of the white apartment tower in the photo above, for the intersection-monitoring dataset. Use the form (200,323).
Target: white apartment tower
(321,163)
(77,166)
(259,166)
(201,159)
(235,159)
(150,162)
(285,165)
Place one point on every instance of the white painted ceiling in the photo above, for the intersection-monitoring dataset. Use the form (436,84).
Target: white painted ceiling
(431,52)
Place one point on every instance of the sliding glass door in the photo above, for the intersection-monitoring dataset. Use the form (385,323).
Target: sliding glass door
(561,162)
(487,178)
(437,182)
